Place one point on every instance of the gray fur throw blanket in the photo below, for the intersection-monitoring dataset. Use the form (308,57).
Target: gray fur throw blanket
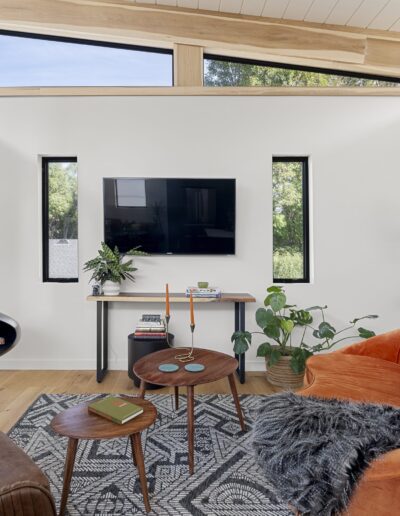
(313,451)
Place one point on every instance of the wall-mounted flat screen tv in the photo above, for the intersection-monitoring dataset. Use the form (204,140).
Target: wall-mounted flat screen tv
(170,216)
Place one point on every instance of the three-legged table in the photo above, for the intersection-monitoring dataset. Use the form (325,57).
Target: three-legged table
(78,423)
(217,366)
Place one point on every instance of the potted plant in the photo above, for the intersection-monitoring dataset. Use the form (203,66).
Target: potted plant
(286,357)
(109,269)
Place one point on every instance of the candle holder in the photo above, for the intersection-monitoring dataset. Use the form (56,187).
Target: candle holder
(188,356)
(181,357)
(167,318)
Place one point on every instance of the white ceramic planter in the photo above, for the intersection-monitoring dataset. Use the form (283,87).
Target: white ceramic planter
(111,288)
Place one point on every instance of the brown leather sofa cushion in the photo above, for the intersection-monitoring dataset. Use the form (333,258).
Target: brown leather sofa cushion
(24,489)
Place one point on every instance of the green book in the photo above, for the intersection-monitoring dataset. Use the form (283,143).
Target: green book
(115,409)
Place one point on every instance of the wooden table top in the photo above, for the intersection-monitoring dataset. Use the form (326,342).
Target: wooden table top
(156,297)
(77,422)
(217,365)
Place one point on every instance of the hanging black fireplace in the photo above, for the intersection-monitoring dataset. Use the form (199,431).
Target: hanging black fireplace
(9,333)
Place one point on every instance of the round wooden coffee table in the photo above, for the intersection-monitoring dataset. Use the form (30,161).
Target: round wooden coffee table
(217,366)
(78,423)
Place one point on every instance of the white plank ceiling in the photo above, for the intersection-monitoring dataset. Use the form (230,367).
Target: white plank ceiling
(371,14)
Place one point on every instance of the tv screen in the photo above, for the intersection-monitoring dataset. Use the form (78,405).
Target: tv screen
(170,216)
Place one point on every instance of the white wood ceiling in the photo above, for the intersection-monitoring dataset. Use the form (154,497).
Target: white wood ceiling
(371,14)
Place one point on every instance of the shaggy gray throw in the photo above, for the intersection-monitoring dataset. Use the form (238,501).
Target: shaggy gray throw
(313,451)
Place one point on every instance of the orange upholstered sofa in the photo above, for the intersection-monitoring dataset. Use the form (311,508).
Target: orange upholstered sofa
(370,372)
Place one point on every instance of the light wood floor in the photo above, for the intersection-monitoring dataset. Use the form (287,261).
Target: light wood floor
(18,389)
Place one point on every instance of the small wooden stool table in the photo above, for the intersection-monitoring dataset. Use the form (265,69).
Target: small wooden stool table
(217,366)
(78,423)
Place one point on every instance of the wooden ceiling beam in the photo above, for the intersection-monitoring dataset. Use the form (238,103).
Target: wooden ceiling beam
(276,40)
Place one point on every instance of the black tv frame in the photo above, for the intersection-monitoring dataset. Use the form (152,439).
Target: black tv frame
(179,179)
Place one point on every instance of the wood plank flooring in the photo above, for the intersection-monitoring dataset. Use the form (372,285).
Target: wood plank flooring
(18,389)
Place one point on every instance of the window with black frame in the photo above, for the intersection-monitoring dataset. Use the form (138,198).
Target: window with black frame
(290,220)
(60,219)
(41,60)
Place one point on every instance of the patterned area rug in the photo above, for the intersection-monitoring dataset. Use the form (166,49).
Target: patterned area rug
(226,481)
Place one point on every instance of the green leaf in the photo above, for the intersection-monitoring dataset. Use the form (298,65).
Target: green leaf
(298,359)
(264,317)
(287,325)
(297,365)
(274,289)
(365,334)
(267,300)
(240,346)
(264,349)
(277,301)
(354,321)
(317,347)
(136,252)
(274,357)
(242,341)
(307,354)
(108,266)
(296,352)
(326,330)
(273,330)
(241,334)
(301,317)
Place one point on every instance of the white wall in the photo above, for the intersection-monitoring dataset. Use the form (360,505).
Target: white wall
(354,148)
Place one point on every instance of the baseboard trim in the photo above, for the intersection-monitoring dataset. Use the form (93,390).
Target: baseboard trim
(58,365)
(255,365)
(36,364)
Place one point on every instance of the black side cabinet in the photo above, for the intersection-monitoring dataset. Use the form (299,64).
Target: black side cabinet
(138,348)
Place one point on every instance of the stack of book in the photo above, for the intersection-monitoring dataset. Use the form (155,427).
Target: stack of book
(151,327)
(203,292)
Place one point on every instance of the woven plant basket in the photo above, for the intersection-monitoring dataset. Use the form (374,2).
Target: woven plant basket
(282,375)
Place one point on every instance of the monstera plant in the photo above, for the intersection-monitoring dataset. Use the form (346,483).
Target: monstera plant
(287,330)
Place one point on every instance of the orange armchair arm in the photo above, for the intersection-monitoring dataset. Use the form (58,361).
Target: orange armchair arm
(385,347)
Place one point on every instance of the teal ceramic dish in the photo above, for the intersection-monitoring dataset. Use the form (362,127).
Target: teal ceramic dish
(194,368)
(168,368)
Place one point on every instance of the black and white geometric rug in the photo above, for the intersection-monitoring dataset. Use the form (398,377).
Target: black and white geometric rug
(226,482)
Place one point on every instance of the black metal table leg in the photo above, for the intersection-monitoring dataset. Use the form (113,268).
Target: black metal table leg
(240,324)
(102,340)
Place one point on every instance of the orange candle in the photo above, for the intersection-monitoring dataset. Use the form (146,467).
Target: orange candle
(191,310)
(167,300)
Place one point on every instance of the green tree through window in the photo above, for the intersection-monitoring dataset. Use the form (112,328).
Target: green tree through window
(290,242)
(231,73)
(63,200)
(60,219)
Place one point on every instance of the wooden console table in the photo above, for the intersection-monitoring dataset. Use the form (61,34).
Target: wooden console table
(239,301)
